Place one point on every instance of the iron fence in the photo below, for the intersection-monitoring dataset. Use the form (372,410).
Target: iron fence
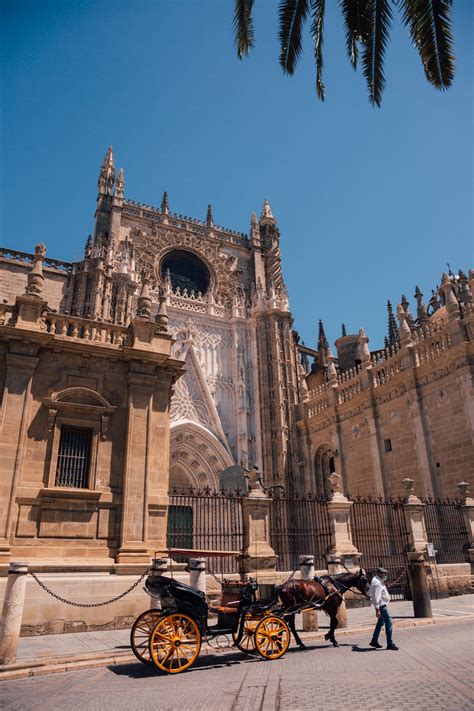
(299,524)
(202,519)
(379,532)
(445,528)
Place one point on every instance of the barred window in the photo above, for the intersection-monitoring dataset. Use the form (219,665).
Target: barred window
(75,445)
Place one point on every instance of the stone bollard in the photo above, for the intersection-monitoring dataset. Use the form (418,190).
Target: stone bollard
(197,573)
(12,612)
(420,589)
(309,617)
(159,566)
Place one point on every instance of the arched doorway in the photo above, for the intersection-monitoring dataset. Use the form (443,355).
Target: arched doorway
(197,457)
(324,465)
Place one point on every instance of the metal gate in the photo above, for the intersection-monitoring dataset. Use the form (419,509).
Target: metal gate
(379,532)
(299,525)
(445,528)
(201,519)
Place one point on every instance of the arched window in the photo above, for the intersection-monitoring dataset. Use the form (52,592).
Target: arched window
(323,466)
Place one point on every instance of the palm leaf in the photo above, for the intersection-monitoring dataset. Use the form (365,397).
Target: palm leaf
(292,14)
(357,22)
(317,31)
(374,51)
(430,28)
(243,27)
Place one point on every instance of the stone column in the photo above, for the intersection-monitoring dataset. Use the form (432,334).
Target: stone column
(197,573)
(468,511)
(258,553)
(342,549)
(309,617)
(12,612)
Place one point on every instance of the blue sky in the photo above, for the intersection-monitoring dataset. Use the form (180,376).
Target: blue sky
(369,202)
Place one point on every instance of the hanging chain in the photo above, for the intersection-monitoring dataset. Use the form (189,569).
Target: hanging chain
(89,604)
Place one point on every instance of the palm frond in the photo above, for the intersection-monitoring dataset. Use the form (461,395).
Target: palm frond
(430,28)
(357,22)
(374,51)
(317,31)
(243,27)
(292,14)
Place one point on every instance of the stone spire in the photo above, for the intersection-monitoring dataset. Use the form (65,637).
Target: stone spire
(88,248)
(267,215)
(392,326)
(35,276)
(323,345)
(254,231)
(120,184)
(344,330)
(209,218)
(107,174)
(165,206)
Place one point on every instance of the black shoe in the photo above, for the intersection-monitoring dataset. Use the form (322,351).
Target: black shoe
(393,647)
(375,645)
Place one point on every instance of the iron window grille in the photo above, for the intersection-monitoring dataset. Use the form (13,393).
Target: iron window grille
(74,456)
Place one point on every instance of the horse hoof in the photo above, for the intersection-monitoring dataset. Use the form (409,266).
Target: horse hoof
(326,636)
(335,644)
(302,646)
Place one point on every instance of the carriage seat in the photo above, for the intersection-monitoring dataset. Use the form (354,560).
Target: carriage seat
(156,583)
(230,608)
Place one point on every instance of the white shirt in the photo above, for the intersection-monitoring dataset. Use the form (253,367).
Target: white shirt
(378,592)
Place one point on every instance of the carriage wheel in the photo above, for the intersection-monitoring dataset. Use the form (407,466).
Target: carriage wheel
(272,637)
(247,643)
(175,643)
(140,634)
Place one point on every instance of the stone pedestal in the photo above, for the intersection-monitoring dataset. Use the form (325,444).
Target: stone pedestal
(258,553)
(414,518)
(342,549)
(12,612)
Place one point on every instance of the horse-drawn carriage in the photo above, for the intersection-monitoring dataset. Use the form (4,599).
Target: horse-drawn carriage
(171,636)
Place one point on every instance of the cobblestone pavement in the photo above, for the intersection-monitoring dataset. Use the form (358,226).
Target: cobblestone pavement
(432,670)
(118,640)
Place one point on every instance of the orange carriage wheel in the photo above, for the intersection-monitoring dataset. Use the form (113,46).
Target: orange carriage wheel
(140,634)
(247,643)
(272,637)
(175,643)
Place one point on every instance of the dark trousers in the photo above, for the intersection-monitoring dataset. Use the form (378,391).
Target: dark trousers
(386,620)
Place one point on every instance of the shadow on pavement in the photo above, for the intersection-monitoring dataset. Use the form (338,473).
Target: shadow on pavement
(356,648)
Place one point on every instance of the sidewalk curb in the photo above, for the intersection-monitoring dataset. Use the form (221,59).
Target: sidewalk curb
(52,665)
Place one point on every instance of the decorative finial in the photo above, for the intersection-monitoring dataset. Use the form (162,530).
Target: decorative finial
(331,372)
(165,207)
(120,185)
(463,488)
(144,300)
(162,315)
(35,276)
(364,346)
(421,313)
(404,330)
(344,330)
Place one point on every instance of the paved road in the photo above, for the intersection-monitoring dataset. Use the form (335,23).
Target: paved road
(432,670)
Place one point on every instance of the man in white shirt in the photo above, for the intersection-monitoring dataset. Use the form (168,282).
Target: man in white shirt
(380,598)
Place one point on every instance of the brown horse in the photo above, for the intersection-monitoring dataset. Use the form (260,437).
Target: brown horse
(326,595)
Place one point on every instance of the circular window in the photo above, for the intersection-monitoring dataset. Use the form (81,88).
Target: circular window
(186,271)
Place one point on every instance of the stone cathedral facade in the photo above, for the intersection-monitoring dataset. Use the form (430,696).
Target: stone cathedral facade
(167,355)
